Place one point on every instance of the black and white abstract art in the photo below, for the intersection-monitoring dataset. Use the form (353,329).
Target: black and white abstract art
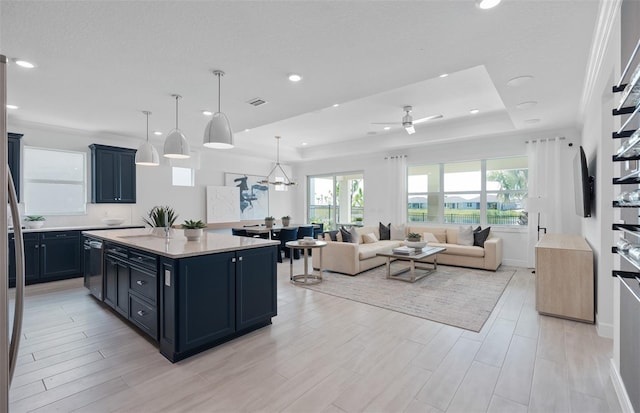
(254,197)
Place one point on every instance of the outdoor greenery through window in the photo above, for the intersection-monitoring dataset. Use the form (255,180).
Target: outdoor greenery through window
(336,199)
(485,192)
(54,182)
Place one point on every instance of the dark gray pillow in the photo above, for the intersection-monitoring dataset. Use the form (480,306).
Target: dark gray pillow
(480,236)
(385,231)
(346,235)
(331,234)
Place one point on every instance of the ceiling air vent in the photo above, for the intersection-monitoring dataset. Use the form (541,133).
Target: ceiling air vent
(257,102)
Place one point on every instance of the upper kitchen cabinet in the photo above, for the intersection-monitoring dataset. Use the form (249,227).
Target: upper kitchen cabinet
(13,155)
(113,175)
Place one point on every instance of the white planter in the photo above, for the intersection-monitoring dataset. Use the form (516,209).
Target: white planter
(161,232)
(268,223)
(34,224)
(193,234)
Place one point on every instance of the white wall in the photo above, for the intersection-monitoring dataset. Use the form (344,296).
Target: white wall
(598,124)
(376,194)
(153,183)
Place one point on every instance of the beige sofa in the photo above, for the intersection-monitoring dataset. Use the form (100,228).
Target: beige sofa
(352,259)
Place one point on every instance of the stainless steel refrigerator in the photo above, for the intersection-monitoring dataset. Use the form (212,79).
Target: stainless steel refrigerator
(9,342)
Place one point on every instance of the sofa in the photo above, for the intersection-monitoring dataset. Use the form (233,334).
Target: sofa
(352,258)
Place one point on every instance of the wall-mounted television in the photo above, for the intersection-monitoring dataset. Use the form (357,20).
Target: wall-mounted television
(583,184)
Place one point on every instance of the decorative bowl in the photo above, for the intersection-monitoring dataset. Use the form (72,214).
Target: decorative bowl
(113,221)
(415,244)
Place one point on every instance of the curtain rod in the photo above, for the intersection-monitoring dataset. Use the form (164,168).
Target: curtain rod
(395,157)
(560,138)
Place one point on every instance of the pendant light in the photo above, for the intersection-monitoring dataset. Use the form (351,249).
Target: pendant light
(281,183)
(147,155)
(176,145)
(218,134)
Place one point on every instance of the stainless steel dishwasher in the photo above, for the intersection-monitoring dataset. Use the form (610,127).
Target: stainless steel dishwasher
(93,277)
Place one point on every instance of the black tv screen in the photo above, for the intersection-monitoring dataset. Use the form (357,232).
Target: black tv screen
(583,184)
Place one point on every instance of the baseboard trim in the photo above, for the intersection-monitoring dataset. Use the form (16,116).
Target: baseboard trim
(604,329)
(618,386)
(515,263)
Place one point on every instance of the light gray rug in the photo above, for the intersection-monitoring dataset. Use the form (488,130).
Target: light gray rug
(460,297)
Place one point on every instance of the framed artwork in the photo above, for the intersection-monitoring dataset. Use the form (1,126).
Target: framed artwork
(223,204)
(253,196)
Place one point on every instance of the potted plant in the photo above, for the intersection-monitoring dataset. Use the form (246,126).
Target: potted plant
(161,218)
(268,221)
(414,237)
(193,229)
(34,221)
(286,220)
(413,240)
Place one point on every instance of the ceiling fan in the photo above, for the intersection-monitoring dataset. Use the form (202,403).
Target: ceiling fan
(408,122)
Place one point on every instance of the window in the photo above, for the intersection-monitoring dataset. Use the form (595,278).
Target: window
(336,199)
(488,192)
(182,176)
(54,182)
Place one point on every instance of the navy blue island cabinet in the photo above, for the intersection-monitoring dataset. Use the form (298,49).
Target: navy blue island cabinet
(209,299)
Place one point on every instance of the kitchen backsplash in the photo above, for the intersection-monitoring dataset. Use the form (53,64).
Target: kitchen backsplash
(95,214)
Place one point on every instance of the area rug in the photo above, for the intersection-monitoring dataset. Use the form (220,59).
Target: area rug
(460,297)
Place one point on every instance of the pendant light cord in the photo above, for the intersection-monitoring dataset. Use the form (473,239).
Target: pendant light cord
(147,126)
(177,97)
(219,91)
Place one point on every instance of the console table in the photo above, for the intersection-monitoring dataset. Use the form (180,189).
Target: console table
(564,277)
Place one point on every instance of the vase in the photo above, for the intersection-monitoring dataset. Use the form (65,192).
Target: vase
(268,223)
(162,232)
(285,222)
(193,234)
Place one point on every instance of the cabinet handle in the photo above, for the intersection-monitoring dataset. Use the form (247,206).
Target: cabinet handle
(37,246)
(233,259)
(141,313)
(61,235)
(239,258)
(140,282)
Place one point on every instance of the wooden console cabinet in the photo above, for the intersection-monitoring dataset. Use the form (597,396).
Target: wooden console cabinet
(564,277)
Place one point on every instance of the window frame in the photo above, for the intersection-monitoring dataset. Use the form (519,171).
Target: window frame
(334,207)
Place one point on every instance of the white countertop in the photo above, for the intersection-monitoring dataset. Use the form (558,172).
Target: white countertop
(177,246)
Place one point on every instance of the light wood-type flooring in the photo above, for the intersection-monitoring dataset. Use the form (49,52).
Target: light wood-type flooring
(322,353)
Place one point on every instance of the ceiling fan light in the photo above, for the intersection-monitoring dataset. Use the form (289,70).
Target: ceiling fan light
(176,145)
(487,4)
(147,155)
(218,133)
(410,129)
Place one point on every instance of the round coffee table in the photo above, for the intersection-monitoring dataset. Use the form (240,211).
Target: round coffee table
(305,278)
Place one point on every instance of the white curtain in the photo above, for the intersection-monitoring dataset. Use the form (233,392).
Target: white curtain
(544,190)
(397,188)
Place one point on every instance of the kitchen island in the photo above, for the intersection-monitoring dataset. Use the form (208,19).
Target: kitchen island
(188,295)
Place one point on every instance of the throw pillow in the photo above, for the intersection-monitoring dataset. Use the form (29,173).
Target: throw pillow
(398,232)
(330,235)
(429,237)
(465,235)
(385,231)
(479,237)
(369,238)
(346,235)
(355,237)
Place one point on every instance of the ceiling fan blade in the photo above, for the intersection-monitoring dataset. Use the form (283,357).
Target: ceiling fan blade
(428,118)
(386,123)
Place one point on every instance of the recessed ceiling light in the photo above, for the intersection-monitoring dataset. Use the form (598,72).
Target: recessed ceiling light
(519,81)
(387,127)
(157,133)
(335,105)
(530,121)
(247,130)
(487,4)
(474,111)
(295,77)
(24,63)
(526,105)
(12,107)
(444,75)
(304,143)
(207,113)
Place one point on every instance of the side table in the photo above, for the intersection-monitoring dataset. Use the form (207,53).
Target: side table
(305,278)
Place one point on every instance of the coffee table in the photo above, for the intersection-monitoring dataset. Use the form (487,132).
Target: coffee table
(413,258)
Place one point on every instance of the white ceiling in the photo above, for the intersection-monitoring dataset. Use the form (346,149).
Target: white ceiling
(102,62)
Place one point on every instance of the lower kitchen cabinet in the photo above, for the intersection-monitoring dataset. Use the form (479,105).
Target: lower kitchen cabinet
(130,286)
(48,256)
(209,299)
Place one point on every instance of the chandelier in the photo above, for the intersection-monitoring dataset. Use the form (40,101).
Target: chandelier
(281,183)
